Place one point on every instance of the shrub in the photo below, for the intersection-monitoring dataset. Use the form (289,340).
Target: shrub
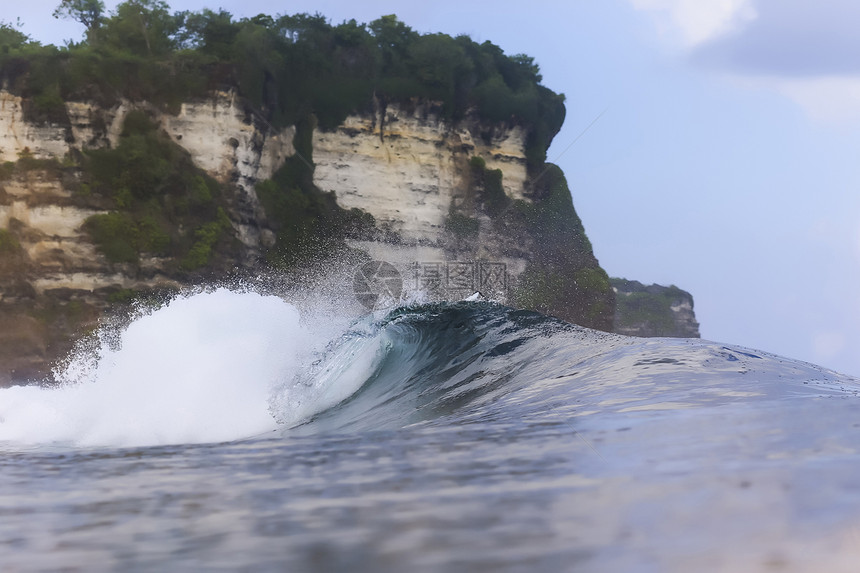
(8,242)
(116,235)
(205,238)
(122,296)
(462,226)
(158,193)
(308,223)
(494,197)
(7,168)
(492,193)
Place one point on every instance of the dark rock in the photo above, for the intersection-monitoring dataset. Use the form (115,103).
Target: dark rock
(653,310)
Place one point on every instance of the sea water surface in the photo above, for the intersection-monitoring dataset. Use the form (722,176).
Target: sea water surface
(231,431)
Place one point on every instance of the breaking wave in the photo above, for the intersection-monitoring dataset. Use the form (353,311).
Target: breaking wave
(224,365)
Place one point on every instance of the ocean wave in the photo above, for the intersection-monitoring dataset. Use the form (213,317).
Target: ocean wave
(224,365)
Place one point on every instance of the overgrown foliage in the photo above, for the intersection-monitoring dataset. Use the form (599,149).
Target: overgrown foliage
(8,242)
(11,38)
(564,279)
(309,224)
(287,67)
(648,308)
(26,162)
(12,255)
(462,226)
(491,194)
(164,206)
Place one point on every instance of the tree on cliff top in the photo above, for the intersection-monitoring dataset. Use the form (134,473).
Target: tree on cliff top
(286,67)
(11,38)
(88,12)
(142,27)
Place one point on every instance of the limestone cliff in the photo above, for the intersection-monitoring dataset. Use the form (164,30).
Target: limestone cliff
(653,310)
(411,169)
(417,153)
(441,193)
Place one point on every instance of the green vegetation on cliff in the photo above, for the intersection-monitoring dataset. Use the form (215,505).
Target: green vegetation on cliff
(309,224)
(8,243)
(564,279)
(291,70)
(488,182)
(653,310)
(286,67)
(162,204)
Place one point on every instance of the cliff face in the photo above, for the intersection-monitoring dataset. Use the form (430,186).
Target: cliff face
(16,135)
(420,156)
(653,310)
(232,144)
(38,207)
(411,169)
(407,167)
(54,282)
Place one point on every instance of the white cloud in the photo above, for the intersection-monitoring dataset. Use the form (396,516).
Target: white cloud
(790,38)
(696,21)
(827,99)
(805,51)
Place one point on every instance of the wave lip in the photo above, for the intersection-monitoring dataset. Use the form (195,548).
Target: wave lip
(434,360)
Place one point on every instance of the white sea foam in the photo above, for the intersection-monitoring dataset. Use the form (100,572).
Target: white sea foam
(204,368)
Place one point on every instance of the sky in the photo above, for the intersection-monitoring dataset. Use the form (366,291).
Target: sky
(725,155)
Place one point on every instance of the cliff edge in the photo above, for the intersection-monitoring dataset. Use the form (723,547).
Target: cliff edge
(653,310)
(80,238)
(171,150)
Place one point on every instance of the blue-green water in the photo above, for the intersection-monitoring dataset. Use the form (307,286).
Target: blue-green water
(459,437)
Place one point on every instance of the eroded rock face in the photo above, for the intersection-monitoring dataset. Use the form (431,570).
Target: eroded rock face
(228,141)
(408,167)
(234,146)
(54,284)
(18,137)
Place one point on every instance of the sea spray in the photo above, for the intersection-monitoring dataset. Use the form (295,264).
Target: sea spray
(203,368)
